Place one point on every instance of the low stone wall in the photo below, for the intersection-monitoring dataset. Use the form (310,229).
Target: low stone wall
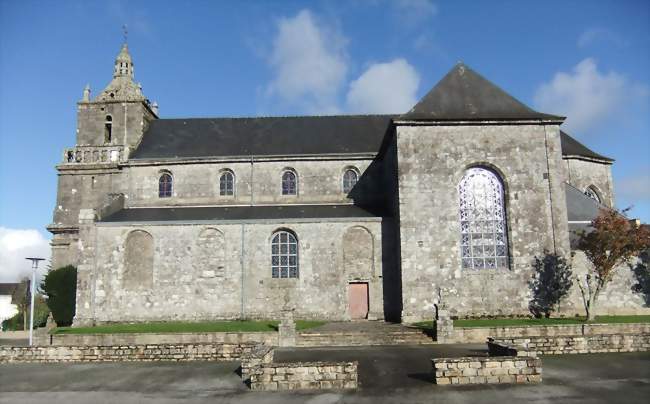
(569,344)
(491,370)
(259,355)
(266,338)
(305,375)
(480,334)
(127,353)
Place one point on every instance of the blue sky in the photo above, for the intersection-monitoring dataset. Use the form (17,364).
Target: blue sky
(589,60)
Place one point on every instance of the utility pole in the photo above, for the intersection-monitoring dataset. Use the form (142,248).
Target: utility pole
(35,262)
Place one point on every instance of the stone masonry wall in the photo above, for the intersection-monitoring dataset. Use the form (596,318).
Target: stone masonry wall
(582,174)
(492,370)
(481,334)
(432,160)
(305,375)
(234,281)
(582,344)
(126,353)
(267,338)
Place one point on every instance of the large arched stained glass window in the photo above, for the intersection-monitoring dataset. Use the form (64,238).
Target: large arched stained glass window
(284,255)
(165,185)
(484,240)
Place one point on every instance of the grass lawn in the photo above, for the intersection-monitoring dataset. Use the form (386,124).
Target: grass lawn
(171,327)
(514,322)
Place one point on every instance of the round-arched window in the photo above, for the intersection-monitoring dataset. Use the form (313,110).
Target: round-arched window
(289,183)
(227,184)
(484,241)
(165,185)
(284,255)
(350,178)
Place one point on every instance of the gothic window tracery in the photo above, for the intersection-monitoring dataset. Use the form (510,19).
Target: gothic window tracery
(289,183)
(165,185)
(284,255)
(591,192)
(484,241)
(227,184)
(350,178)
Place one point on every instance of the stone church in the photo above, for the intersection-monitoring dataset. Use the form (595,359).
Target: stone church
(340,217)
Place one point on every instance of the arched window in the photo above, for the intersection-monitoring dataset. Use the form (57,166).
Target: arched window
(591,192)
(165,185)
(108,129)
(227,184)
(484,241)
(138,261)
(350,178)
(284,255)
(289,183)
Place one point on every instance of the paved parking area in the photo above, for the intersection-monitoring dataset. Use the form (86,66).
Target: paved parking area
(388,375)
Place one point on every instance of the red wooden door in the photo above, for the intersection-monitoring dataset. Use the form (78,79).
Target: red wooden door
(358,298)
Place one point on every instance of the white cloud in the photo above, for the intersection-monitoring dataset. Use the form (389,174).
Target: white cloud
(15,246)
(586,96)
(384,88)
(309,64)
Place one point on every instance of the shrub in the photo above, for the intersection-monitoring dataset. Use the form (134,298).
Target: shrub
(60,286)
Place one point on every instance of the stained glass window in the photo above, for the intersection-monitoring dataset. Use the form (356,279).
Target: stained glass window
(227,184)
(483,232)
(284,255)
(289,183)
(591,192)
(165,186)
(350,178)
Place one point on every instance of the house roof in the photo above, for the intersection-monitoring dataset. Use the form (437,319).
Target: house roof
(268,136)
(240,213)
(464,95)
(571,147)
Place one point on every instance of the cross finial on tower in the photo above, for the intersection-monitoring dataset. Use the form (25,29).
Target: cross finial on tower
(125,32)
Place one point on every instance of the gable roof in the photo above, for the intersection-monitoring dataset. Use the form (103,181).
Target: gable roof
(571,147)
(267,136)
(464,95)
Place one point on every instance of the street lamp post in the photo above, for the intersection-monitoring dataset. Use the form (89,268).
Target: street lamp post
(35,262)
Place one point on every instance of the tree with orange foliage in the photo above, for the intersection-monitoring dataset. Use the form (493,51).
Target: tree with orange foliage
(613,241)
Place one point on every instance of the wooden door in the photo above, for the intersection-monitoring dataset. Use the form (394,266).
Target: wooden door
(358,299)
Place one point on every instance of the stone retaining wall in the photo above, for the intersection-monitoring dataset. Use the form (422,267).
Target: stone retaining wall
(569,344)
(480,334)
(305,375)
(266,338)
(491,370)
(259,355)
(127,353)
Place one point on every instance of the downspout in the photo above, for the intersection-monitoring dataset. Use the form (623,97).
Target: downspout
(252,182)
(550,191)
(241,262)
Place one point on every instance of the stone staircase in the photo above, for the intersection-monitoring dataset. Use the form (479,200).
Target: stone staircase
(362,334)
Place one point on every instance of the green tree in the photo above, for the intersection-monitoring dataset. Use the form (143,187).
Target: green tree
(613,241)
(60,286)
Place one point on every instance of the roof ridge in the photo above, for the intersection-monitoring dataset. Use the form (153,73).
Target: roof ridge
(283,116)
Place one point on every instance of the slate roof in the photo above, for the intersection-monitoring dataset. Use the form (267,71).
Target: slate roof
(581,210)
(269,136)
(571,147)
(239,213)
(7,289)
(464,95)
